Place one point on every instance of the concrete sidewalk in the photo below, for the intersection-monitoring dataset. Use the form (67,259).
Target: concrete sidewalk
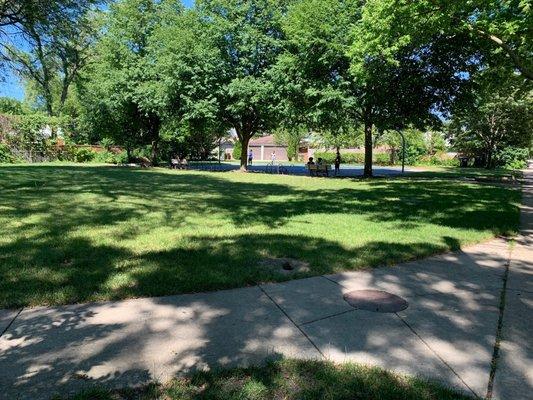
(514,374)
(448,332)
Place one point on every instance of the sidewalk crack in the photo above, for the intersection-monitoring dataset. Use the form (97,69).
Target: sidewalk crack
(11,323)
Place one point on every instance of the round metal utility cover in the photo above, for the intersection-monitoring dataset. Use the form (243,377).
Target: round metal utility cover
(375,300)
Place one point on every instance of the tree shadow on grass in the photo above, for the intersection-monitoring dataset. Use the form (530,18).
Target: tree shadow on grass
(303,379)
(49,258)
(108,272)
(446,203)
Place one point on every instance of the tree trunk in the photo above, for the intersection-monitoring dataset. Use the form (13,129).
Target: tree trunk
(489,159)
(63,98)
(368,150)
(48,100)
(153,156)
(244,151)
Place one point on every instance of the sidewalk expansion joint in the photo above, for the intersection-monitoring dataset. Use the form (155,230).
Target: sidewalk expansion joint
(499,330)
(335,282)
(11,323)
(328,317)
(437,355)
(292,321)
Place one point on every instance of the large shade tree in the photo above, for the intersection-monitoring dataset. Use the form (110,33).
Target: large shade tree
(187,70)
(499,117)
(312,81)
(249,37)
(47,43)
(157,72)
(118,80)
(326,74)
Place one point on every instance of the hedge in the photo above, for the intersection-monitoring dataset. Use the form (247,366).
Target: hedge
(354,158)
(439,159)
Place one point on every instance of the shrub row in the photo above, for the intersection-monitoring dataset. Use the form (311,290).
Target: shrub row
(512,158)
(48,151)
(353,158)
(82,154)
(6,156)
(439,159)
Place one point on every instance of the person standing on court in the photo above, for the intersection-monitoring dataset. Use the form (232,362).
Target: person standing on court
(337,163)
(250,157)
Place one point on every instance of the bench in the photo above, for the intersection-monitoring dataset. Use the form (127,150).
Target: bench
(318,170)
(177,164)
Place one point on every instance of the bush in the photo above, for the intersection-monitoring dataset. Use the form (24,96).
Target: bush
(237,151)
(413,153)
(438,159)
(82,155)
(66,153)
(381,158)
(5,154)
(108,157)
(353,158)
(105,157)
(512,158)
(120,158)
(107,143)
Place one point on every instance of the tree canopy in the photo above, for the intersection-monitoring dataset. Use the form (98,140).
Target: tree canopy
(499,28)
(153,74)
(47,43)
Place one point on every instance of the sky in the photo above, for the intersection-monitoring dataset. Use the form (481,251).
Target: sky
(11,86)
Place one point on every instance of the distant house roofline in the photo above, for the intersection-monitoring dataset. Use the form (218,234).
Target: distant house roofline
(267,141)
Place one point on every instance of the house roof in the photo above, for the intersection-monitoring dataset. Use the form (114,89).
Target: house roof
(264,141)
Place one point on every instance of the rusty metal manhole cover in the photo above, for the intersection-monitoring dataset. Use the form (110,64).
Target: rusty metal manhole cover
(375,300)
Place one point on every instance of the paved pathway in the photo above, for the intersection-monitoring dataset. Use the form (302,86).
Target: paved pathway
(448,332)
(514,375)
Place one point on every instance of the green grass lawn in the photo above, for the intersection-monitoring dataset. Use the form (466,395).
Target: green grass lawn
(72,233)
(481,174)
(288,380)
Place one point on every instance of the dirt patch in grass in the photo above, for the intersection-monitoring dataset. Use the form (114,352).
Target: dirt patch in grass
(285,265)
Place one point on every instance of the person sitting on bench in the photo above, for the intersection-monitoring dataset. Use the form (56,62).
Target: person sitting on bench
(311,167)
(322,168)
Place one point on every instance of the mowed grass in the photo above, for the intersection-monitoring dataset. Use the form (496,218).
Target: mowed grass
(479,174)
(288,380)
(73,233)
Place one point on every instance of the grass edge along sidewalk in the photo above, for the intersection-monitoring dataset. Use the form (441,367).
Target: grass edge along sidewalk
(286,379)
